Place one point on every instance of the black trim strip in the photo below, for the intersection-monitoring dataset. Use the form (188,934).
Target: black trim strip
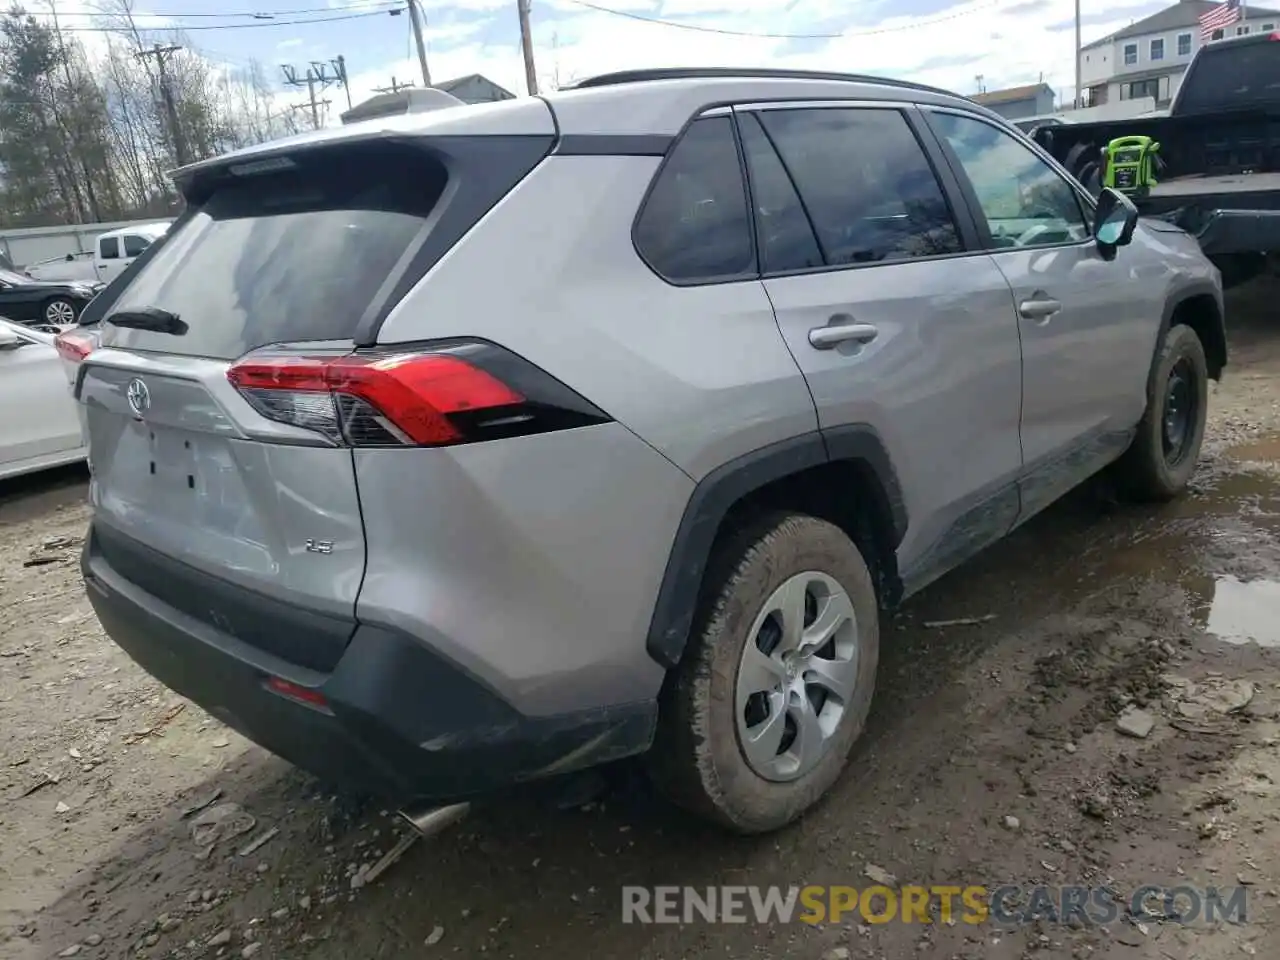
(613,145)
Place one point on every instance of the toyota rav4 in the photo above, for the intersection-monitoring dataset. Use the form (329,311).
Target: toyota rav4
(461,448)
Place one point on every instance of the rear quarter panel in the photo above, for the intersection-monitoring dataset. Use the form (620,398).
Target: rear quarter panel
(700,373)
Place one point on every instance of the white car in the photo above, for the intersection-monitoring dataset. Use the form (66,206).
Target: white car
(39,422)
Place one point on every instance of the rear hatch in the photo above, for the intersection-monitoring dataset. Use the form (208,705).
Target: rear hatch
(235,502)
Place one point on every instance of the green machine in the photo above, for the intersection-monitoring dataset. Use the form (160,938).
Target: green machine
(1129,164)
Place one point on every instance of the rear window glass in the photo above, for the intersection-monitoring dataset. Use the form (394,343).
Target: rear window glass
(297,254)
(1233,75)
(695,226)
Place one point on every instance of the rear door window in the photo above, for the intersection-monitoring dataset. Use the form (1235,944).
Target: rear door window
(785,235)
(866,183)
(289,255)
(695,226)
(109,248)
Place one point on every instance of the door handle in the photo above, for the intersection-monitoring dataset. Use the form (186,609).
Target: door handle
(834,334)
(1038,309)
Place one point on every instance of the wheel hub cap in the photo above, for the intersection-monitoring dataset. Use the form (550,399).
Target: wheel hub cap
(59,312)
(797,676)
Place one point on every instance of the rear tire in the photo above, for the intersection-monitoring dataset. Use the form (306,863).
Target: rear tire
(1159,463)
(711,713)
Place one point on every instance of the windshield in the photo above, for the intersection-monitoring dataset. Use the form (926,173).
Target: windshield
(1232,75)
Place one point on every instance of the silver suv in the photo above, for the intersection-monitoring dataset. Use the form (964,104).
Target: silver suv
(460,448)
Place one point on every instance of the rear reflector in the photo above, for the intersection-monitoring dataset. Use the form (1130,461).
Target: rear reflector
(454,394)
(294,691)
(73,346)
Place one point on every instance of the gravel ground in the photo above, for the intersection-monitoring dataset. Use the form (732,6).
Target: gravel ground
(1110,720)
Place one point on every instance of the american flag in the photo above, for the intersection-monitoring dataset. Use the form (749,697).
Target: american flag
(1220,17)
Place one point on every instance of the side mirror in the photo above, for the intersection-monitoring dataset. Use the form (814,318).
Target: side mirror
(9,340)
(1114,221)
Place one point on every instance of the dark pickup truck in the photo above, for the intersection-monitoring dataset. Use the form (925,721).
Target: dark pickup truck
(1220,153)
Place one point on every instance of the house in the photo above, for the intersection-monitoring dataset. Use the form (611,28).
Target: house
(474,88)
(1149,57)
(1018,102)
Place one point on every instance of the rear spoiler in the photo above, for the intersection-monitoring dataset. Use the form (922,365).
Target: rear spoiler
(401,102)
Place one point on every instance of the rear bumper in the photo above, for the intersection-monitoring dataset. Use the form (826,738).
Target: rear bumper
(399,721)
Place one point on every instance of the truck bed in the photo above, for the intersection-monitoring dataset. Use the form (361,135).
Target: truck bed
(1228,214)
(1196,186)
(1194,197)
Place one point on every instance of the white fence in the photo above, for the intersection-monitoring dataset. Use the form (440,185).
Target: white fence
(33,244)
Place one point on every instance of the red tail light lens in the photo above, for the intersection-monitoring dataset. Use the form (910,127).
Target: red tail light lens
(73,346)
(427,398)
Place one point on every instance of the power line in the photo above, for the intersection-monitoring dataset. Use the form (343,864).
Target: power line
(392,11)
(700,28)
(373,5)
(317,80)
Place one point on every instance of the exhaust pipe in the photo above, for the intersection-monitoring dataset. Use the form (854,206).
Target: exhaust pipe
(428,821)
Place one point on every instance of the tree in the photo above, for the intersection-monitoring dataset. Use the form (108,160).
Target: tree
(85,141)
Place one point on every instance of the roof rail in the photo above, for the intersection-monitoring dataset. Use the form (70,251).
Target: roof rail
(709,73)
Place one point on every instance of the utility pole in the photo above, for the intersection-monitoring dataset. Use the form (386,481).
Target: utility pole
(340,64)
(317,76)
(416,17)
(396,86)
(1078,103)
(162,55)
(94,210)
(526,46)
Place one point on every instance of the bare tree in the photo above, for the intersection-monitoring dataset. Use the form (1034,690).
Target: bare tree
(90,141)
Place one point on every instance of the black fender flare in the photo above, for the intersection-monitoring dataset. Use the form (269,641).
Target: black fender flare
(1216,349)
(722,488)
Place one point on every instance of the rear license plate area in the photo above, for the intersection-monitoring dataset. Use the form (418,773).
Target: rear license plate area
(172,459)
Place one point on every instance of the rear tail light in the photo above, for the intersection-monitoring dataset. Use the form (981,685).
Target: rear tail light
(457,393)
(73,346)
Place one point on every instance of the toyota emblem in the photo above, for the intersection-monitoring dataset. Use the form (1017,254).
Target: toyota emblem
(139,397)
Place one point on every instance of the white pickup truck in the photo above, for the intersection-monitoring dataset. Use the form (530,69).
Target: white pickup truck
(112,252)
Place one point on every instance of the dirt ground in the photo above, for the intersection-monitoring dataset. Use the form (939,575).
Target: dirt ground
(993,756)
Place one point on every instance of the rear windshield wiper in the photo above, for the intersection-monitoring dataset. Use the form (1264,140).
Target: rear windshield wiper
(149,318)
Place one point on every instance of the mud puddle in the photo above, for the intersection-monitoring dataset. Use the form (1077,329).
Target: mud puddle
(1245,611)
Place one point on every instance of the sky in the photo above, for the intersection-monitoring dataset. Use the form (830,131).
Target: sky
(940,42)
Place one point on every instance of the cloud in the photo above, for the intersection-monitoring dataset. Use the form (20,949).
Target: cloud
(945,43)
